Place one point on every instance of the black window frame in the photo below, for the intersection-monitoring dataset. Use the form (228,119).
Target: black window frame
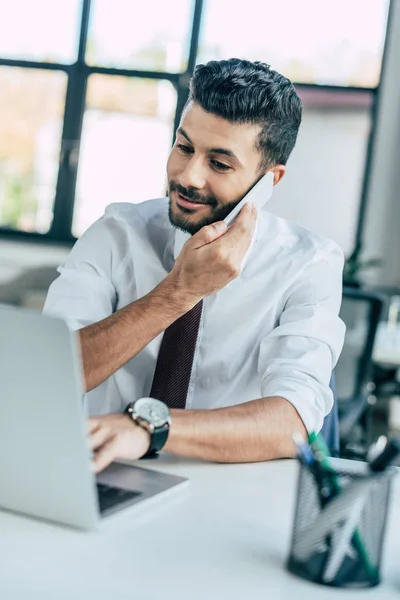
(78,74)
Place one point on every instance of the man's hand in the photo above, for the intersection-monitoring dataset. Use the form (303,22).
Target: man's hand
(116,437)
(213,256)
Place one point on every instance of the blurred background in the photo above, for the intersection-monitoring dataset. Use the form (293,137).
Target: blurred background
(91,92)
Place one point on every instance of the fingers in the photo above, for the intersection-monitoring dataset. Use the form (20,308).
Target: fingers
(239,235)
(105,456)
(114,437)
(208,234)
(245,223)
(93,424)
(101,443)
(241,230)
(98,438)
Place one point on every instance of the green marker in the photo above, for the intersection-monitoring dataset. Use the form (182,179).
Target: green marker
(322,456)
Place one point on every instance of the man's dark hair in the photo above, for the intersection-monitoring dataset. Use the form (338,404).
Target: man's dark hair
(241,91)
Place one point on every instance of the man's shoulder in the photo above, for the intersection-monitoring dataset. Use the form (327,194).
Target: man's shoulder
(300,240)
(123,223)
(134,213)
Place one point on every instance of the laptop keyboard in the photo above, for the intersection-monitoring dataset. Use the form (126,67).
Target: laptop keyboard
(109,496)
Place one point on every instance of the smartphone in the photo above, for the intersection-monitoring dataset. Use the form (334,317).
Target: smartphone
(260,193)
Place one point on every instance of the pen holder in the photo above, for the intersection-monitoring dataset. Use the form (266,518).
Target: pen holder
(339,526)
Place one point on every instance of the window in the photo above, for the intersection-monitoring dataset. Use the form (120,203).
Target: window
(31,117)
(126,138)
(42,30)
(309,41)
(151,35)
(92,90)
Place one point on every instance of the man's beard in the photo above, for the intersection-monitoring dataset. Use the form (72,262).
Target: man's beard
(184,222)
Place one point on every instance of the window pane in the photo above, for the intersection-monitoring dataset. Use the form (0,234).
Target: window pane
(31,117)
(126,139)
(336,42)
(152,35)
(42,30)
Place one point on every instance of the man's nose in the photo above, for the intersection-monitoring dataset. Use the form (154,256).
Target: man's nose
(194,174)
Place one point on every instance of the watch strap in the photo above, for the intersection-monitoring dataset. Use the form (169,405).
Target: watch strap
(157,442)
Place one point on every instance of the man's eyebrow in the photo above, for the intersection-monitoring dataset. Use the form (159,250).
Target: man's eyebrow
(185,135)
(223,151)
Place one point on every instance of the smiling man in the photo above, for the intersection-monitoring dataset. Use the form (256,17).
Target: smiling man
(173,356)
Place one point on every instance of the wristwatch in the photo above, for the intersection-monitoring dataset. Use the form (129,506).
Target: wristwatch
(154,416)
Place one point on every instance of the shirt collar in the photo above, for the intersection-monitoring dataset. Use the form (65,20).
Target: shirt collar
(181,237)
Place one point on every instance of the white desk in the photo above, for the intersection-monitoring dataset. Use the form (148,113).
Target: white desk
(225,536)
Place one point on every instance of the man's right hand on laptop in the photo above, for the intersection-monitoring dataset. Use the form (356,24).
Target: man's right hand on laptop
(115,437)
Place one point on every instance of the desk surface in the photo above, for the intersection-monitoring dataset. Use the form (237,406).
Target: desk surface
(226,535)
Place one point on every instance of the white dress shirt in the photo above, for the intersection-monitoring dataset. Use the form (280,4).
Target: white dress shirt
(273,331)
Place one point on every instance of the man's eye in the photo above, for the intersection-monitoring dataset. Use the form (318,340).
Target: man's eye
(184,149)
(220,166)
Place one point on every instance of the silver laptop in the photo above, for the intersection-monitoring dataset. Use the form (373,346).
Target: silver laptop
(45,466)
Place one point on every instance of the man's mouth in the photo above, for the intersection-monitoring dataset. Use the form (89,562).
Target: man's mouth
(186,199)
(188,204)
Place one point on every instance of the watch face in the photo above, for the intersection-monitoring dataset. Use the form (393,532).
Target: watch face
(153,411)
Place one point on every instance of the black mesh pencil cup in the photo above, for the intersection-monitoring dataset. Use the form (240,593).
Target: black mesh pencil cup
(339,527)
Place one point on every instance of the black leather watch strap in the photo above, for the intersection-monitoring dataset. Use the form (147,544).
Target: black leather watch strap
(158,439)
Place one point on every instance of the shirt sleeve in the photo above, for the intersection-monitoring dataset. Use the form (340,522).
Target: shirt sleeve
(298,356)
(86,290)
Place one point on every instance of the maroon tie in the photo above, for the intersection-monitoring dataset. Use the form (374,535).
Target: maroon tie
(175,359)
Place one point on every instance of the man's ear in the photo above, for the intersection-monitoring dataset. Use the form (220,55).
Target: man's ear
(278,171)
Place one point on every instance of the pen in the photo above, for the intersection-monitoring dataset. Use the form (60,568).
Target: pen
(306,458)
(304,451)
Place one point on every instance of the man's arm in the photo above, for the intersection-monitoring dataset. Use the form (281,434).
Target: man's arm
(108,344)
(208,261)
(253,431)
(249,432)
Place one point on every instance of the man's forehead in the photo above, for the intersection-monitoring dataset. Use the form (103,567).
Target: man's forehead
(211,131)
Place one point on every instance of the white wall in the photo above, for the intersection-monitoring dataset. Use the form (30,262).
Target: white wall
(382,231)
(322,187)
